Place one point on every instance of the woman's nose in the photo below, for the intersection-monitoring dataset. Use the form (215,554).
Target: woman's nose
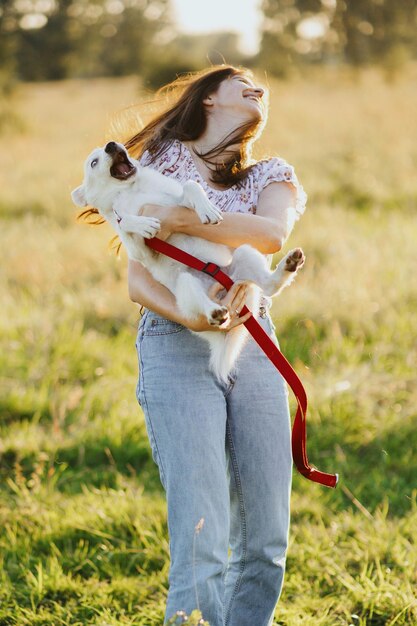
(259,91)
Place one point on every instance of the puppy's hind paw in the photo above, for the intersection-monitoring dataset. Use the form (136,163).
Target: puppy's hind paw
(294,260)
(218,316)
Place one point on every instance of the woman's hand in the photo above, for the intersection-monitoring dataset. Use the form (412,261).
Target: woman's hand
(165,214)
(234,299)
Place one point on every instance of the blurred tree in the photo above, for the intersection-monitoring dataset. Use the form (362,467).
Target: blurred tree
(172,55)
(55,39)
(7,47)
(43,41)
(373,29)
(358,32)
(9,119)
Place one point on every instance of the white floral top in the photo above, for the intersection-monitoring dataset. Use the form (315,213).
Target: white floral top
(177,162)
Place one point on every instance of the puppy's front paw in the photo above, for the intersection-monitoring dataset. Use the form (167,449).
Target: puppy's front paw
(294,260)
(218,316)
(195,198)
(213,215)
(149,227)
(208,213)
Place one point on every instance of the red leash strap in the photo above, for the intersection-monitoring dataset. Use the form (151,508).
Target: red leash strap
(299,435)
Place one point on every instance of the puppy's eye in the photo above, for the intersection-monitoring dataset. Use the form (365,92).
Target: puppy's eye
(94,162)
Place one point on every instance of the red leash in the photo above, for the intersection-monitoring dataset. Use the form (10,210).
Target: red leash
(299,451)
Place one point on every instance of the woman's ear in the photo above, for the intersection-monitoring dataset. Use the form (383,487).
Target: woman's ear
(208,101)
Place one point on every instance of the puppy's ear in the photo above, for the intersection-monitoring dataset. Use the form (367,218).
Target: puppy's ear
(78,196)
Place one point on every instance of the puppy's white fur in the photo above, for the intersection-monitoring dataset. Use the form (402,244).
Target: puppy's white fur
(119,199)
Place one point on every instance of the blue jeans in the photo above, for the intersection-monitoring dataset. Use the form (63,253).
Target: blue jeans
(224,455)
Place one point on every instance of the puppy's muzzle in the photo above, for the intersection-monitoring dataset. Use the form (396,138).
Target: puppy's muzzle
(121,167)
(111,147)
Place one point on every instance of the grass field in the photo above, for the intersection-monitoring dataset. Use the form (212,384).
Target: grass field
(83,535)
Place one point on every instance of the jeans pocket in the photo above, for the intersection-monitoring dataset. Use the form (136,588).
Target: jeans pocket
(161,326)
(270,329)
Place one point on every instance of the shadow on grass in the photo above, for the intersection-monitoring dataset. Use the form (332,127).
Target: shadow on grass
(383,469)
(104,551)
(95,463)
(380,471)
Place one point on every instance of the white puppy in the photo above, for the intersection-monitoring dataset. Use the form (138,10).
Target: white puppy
(117,186)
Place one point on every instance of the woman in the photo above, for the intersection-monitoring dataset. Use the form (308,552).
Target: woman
(223,451)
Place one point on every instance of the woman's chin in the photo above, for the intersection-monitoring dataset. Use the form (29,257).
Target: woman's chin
(256,111)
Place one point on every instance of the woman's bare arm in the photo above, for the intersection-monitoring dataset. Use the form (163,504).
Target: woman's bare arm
(266,231)
(144,289)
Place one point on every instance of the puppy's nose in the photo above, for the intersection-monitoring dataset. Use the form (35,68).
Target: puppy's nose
(111,147)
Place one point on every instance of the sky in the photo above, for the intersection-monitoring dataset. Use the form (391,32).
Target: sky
(202,16)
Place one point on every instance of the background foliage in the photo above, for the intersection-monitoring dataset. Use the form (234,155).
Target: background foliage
(56,39)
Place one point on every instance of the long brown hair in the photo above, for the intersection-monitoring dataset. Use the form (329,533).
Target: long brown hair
(183,117)
(186,120)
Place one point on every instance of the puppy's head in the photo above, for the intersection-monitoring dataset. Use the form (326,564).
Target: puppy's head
(106,171)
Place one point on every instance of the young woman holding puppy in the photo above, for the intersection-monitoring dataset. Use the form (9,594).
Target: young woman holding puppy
(223,450)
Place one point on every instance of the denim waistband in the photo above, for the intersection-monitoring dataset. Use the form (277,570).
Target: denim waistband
(264,307)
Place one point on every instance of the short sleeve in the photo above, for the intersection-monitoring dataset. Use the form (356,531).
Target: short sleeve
(276,170)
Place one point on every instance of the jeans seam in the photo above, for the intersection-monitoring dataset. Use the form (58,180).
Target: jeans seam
(146,407)
(158,333)
(242,520)
(230,387)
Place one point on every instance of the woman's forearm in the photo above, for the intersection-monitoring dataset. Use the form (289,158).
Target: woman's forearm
(145,290)
(235,230)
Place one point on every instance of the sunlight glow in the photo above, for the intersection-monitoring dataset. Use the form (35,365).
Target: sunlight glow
(313,27)
(32,21)
(243,18)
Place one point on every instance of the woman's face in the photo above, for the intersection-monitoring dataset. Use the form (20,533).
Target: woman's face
(240,96)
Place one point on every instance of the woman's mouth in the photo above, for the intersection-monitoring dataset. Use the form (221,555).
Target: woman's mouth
(255,98)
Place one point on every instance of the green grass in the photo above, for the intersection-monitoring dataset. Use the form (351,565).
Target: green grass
(83,535)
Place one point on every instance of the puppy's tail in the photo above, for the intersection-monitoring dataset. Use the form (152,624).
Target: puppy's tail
(226,347)
(225,350)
